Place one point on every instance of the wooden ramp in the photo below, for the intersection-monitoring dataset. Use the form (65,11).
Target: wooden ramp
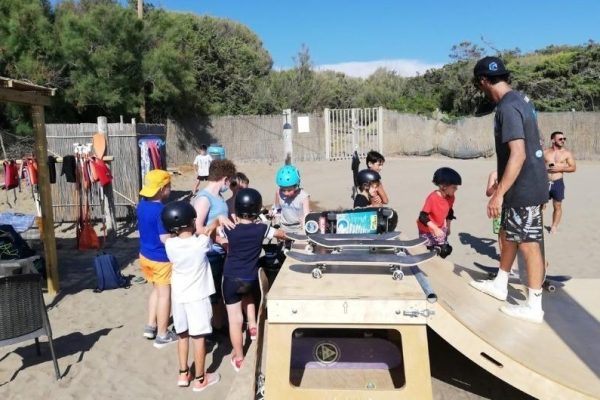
(559,359)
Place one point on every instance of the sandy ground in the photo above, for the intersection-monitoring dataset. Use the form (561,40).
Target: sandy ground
(98,336)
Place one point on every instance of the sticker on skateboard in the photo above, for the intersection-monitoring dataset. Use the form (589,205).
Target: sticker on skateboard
(344,236)
(358,220)
(394,261)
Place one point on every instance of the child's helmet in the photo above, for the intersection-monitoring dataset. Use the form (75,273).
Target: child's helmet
(248,203)
(367,176)
(446,176)
(177,215)
(287,176)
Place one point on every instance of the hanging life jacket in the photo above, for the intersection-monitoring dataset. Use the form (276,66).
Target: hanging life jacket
(11,174)
(103,173)
(32,171)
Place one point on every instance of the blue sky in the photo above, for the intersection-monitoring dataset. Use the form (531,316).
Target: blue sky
(408,36)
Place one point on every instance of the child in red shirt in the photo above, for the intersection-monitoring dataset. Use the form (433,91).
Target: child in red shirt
(437,213)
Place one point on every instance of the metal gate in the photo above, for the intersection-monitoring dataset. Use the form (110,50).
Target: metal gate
(347,130)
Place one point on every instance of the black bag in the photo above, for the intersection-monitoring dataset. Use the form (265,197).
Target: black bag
(108,273)
(12,245)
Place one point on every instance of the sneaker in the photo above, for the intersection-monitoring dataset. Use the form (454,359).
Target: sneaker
(209,379)
(168,339)
(236,364)
(253,333)
(184,381)
(523,312)
(488,287)
(149,332)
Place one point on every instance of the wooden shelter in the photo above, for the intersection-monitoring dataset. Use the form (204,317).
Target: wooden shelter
(37,97)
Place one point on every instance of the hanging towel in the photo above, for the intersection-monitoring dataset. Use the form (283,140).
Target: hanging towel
(69,168)
(52,168)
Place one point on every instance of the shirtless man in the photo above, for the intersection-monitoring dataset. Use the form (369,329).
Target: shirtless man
(558,160)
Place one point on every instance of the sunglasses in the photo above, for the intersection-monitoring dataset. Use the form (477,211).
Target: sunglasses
(562,139)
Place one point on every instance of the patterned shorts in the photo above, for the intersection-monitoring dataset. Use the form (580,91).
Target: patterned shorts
(523,224)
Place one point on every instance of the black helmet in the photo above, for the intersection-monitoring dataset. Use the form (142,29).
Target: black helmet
(248,203)
(367,176)
(446,176)
(177,215)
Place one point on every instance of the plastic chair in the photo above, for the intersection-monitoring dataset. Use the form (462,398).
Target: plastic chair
(23,313)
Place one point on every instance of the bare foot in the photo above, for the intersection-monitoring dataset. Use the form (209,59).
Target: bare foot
(553,229)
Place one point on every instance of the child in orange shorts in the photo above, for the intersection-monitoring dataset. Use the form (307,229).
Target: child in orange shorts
(153,257)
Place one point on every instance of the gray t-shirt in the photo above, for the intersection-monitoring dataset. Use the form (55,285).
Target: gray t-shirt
(516,119)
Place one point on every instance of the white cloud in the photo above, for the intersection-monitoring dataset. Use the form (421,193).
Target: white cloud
(362,69)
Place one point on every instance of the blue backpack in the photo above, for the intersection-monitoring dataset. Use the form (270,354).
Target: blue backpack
(108,273)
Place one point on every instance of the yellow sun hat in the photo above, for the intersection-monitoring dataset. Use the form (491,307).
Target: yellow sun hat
(154,181)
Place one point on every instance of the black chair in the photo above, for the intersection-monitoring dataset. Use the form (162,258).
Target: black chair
(23,313)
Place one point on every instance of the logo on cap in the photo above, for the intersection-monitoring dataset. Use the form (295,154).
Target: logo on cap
(493,66)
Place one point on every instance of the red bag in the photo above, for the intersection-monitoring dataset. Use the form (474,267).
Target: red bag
(102,171)
(11,174)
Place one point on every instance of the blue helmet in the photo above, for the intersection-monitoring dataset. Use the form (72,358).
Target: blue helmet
(287,176)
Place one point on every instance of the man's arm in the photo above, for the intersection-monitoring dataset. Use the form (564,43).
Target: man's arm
(571,166)
(516,159)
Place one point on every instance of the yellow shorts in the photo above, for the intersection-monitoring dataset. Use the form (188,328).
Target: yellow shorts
(158,272)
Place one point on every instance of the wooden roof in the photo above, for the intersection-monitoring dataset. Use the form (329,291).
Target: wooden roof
(22,92)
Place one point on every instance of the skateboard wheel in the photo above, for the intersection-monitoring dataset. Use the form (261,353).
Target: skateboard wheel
(397,275)
(309,248)
(549,287)
(316,273)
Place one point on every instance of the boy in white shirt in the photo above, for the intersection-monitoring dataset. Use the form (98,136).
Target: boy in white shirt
(191,286)
(202,162)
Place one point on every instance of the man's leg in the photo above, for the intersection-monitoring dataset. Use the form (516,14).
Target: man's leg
(498,287)
(556,215)
(152,305)
(529,228)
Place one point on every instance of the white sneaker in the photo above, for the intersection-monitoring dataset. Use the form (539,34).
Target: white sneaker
(523,312)
(488,287)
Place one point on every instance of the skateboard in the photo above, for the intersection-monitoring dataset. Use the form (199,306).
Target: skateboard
(358,220)
(343,236)
(398,246)
(394,261)
(551,282)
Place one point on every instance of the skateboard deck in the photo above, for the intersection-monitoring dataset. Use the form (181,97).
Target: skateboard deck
(358,220)
(344,236)
(366,244)
(394,261)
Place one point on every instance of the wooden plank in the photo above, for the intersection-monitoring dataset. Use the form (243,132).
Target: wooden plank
(47,228)
(557,359)
(25,98)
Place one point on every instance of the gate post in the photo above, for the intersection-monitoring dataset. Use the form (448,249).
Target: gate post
(326,116)
(380,128)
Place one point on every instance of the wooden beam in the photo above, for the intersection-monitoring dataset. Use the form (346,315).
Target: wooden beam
(47,228)
(26,98)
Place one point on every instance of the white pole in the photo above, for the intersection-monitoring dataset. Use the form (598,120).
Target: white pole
(287,136)
(326,115)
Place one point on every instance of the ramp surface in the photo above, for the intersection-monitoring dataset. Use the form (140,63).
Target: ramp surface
(559,359)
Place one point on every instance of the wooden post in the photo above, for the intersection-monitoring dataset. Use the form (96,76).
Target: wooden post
(47,228)
(140,9)
(108,207)
(380,128)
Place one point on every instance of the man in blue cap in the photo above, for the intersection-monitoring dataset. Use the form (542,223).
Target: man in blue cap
(522,187)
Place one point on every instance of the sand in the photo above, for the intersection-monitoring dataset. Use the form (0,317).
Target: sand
(98,339)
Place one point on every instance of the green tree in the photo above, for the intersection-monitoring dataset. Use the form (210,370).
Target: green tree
(101,44)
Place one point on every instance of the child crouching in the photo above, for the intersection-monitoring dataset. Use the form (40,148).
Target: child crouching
(191,286)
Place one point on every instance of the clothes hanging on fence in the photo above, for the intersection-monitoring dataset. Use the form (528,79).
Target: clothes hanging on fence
(69,168)
(52,169)
(150,154)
